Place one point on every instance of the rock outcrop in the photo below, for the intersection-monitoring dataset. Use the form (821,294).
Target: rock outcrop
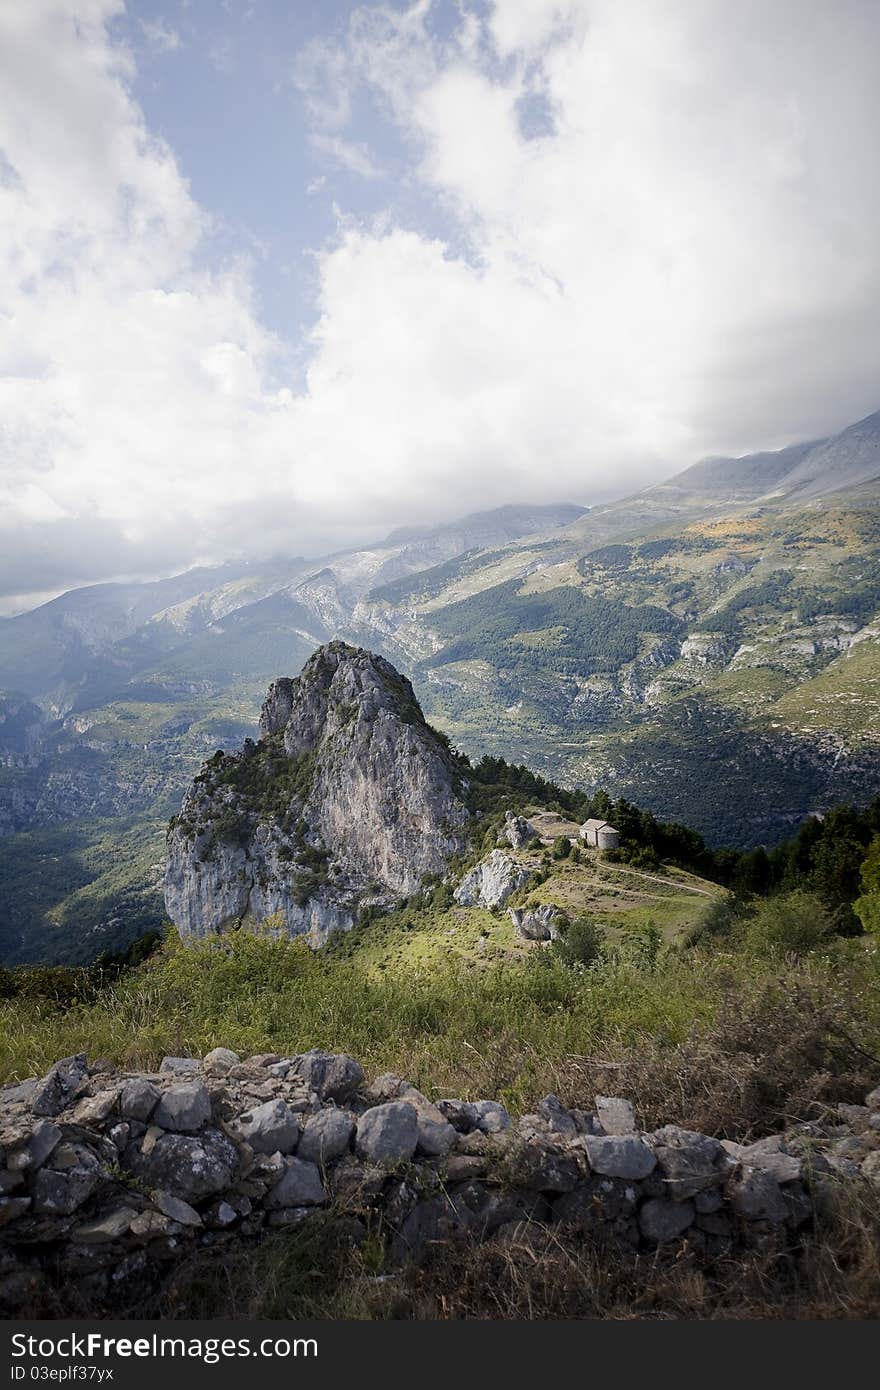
(543,923)
(107,1178)
(491,882)
(348,799)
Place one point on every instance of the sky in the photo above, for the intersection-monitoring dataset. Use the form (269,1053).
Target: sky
(278,276)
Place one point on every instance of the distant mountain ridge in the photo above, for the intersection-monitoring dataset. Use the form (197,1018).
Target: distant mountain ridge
(720,630)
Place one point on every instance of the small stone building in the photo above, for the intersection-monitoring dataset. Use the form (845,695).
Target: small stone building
(600,834)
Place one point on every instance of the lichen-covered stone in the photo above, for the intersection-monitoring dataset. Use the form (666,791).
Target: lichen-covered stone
(184,1108)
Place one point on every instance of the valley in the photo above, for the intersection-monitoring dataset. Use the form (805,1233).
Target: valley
(718,629)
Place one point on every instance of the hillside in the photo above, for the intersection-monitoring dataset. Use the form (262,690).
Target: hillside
(723,620)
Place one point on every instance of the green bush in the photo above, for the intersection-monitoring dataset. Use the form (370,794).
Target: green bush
(581,944)
(790,924)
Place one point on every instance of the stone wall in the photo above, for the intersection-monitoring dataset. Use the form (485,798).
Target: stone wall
(108,1178)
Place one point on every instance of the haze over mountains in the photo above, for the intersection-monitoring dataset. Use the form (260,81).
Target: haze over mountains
(719,628)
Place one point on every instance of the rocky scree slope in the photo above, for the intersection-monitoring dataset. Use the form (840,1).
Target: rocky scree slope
(108,1178)
(349,798)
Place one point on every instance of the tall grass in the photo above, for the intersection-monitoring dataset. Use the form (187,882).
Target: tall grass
(515,1030)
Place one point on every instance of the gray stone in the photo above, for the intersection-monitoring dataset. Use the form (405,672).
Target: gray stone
(756,1195)
(708,1201)
(220,1061)
(120,1134)
(689,1161)
(616,1116)
(184,1108)
(10,1180)
(180,1066)
(270,1128)
(138,1099)
(461,1114)
(557,1119)
(872,1099)
(388,1134)
(661,1220)
(300,1185)
(43,1141)
(492,1118)
(60,1085)
(105,1228)
(619,1156)
(544,1168)
(91,1110)
(784,1167)
(11,1208)
(331,1075)
(436,1134)
(150,1225)
(176,1208)
(61,1193)
(491,882)
(327,1136)
(544,923)
(517,831)
(188,1166)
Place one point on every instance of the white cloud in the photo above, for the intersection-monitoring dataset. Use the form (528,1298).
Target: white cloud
(352,155)
(161,36)
(683,260)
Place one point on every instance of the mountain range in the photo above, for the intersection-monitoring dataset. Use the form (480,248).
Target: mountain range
(707,647)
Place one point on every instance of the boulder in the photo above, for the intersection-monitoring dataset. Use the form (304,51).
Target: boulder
(491,882)
(60,1086)
(270,1128)
(557,1119)
(461,1114)
(756,1195)
(661,1220)
(180,1066)
(176,1209)
(300,1185)
(619,1156)
(542,1167)
(138,1099)
(616,1116)
(517,831)
(11,1208)
(492,1117)
(544,923)
(689,1161)
(188,1166)
(111,1226)
(220,1061)
(327,1136)
(92,1109)
(388,1134)
(331,1075)
(61,1192)
(184,1108)
(43,1141)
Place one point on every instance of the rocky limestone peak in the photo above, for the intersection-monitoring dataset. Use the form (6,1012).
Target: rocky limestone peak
(348,799)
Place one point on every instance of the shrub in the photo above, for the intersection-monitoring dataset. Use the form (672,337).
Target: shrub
(561,847)
(791,924)
(581,944)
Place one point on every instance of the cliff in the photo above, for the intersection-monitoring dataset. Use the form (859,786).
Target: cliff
(348,799)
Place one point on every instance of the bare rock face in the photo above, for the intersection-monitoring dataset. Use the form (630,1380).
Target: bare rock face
(349,798)
(491,882)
